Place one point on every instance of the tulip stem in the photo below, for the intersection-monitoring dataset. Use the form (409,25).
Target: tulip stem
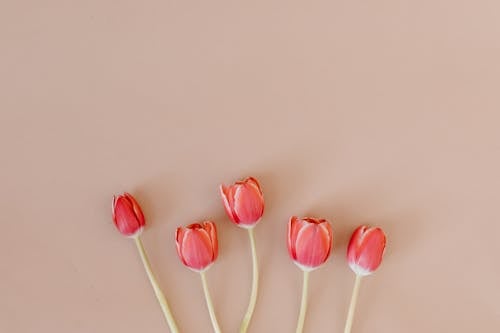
(352,306)
(255,284)
(303,303)
(210,306)
(159,294)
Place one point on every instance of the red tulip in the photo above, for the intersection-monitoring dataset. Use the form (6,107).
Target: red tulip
(197,245)
(127,215)
(243,202)
(309,241)
(365,250)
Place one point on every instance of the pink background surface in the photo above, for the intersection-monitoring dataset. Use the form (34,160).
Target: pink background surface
(380,112)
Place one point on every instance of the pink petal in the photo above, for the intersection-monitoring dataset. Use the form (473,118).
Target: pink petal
(179,237)
(227,194)
(211,229)
(326,229)
(294,226)
(248,204)
(125,218)
(137,209)
(253,182)
(354,244)
(312,246)
(371,249)
(196,249)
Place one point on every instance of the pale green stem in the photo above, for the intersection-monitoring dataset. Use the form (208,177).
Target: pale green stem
(303,303)
(352,306)
(210,306)
(255,284)
(159,294)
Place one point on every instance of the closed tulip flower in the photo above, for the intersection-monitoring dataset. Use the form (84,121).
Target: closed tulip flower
(127,215)
(365,250)
(244,204)
(364,255)
(309,245)
(197,245)
(309,241)
(198,248)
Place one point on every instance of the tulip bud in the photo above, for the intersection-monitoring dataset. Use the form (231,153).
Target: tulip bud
(243,202)
(197,245)
(127,215)
(365,250)
(309,241)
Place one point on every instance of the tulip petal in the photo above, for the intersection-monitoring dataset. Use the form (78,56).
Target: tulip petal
(371,249)
(137,209)
(196,249)
(326,229)
(253,182)
(227,194)
(125,218)
(212,232)
(248,204)
(179,238)
(312,245)
(354,244)
(294,226)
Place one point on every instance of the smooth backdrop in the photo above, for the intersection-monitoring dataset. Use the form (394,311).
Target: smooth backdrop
(382,112)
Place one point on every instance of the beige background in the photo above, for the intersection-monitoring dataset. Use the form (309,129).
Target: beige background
(381,112)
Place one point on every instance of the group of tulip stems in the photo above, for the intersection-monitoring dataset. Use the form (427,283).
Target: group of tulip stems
(164,304)
(309,245)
